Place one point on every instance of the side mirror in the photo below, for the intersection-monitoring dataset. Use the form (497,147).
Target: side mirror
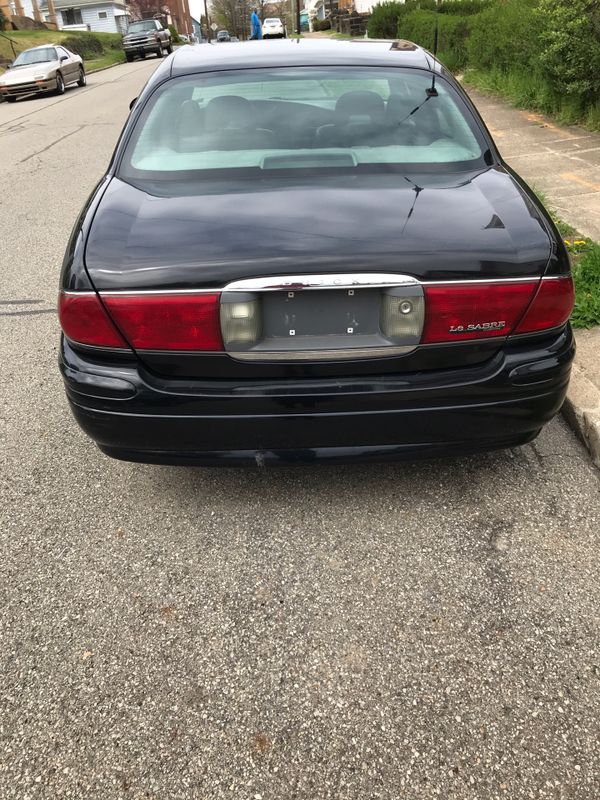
(64,58)
(8,66)
(131,105)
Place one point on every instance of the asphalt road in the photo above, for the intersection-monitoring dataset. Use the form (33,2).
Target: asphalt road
(413,631)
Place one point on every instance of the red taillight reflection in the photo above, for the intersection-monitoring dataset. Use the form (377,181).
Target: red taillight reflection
(83,319)
(168,322)
(551,307)
(474,311)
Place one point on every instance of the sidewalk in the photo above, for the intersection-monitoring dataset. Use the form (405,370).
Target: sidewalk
(564,163)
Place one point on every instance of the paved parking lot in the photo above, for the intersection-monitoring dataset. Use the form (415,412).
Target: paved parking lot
(409,631)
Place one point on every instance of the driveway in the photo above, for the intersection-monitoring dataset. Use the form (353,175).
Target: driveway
(425,630)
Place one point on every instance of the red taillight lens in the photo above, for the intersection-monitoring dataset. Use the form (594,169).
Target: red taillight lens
(83,319)
(551,307)
(474,311)
(167,322)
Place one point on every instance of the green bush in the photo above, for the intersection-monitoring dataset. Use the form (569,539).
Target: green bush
(174,35)
(570,47)
(504,35)
(453,31)
(383,22)
(321,25)
(86,45)
(541,54)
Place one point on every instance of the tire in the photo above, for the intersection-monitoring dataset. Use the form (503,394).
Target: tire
(11,99)
(169,49)
(82,78)
(129,57)
(60,84)
(159,52)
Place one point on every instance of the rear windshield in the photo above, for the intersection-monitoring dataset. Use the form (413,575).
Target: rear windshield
(288,120)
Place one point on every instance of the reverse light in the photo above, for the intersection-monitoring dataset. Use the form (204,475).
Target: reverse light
(241,319)
(401,315)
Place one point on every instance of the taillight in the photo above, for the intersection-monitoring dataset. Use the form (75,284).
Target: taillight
(551,306)
(474,311)
(83,319)
(167,322)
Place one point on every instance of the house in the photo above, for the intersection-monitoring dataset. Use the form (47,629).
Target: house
(102,16)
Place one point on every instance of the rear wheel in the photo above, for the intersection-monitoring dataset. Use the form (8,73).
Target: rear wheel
(82,78)
(129,57)
(60,84)
(11,99)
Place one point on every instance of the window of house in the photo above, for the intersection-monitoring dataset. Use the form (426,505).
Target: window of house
(102,15)
(71,16)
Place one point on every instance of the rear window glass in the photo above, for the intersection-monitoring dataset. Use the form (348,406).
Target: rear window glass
(258,121)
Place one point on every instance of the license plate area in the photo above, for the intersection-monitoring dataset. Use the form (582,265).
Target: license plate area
(321,317)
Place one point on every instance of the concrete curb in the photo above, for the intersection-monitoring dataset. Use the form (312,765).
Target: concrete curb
(582,405)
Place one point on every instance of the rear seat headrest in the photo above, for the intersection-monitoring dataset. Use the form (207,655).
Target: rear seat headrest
(361,104)
(229,112)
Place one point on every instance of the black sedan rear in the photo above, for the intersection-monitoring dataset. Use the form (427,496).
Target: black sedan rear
(311,250)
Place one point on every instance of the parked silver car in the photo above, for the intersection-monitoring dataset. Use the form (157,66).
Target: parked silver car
(47,68)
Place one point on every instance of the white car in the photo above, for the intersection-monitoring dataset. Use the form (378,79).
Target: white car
(48,68)
(273,28)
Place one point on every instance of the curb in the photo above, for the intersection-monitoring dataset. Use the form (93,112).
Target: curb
(581,410)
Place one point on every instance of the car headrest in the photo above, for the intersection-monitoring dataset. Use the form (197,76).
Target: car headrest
(191,118)
(361,106)
(229,112)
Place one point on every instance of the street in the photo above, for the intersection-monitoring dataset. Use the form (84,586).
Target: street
(416,630)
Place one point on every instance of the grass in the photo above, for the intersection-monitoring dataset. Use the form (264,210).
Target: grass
(585,263)
(528,90)
(109,59)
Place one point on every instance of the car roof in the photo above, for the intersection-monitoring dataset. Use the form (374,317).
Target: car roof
(297,52)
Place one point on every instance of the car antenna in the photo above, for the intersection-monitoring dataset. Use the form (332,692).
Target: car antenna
(432,91)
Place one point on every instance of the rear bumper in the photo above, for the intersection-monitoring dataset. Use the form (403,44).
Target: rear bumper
(501,403)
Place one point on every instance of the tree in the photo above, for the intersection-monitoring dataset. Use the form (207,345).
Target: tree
(570,46)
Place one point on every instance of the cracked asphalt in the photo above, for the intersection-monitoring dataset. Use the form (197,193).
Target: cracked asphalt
(413,631)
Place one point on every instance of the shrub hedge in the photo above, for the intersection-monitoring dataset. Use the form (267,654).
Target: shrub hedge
(321,25)
(91,45)
(543,54)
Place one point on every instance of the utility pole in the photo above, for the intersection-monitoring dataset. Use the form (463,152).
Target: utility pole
(207,21)
(298,17)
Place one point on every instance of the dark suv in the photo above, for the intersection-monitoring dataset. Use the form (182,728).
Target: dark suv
(147,36)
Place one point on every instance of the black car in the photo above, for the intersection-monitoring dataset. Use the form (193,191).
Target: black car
(311,250)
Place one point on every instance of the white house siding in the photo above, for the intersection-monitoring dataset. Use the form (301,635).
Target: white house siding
(89,17)
(27,8)
(364,6)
